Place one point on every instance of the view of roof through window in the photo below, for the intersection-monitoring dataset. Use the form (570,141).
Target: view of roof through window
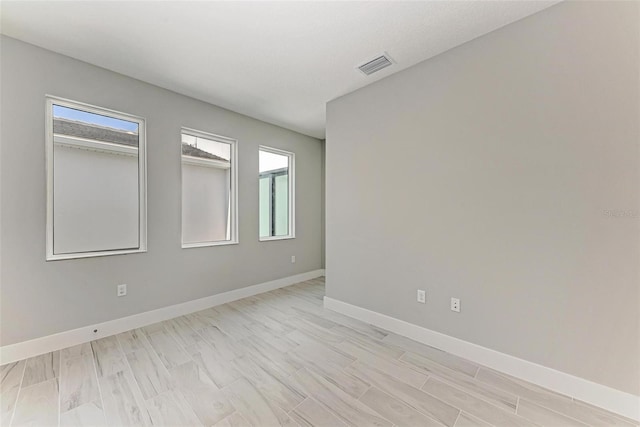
(201,147)
(72,122)
(60,112)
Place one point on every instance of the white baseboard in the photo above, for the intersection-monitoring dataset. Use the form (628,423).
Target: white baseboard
(34,347)
(619,402)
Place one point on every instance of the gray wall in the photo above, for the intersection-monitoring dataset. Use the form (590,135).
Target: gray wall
(41,298)
(489,173)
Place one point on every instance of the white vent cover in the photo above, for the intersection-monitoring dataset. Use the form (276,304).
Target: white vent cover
(375,65)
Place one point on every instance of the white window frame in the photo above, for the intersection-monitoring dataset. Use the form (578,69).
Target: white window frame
(292,197)
(234,238)
(65,140)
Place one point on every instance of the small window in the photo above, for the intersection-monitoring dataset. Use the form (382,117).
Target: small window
(96,203)
(276,210)
(209,189)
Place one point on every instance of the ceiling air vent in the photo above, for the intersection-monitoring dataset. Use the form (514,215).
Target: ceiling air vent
(375,65)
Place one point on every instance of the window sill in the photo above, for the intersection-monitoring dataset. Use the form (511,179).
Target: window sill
(268,239)
(78,255)
(207,244)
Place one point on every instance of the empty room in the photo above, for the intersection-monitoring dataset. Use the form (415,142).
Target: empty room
(320,213)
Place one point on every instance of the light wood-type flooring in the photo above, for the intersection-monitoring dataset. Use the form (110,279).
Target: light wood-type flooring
(274,359)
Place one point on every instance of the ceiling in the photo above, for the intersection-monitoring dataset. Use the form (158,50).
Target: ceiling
(280,62)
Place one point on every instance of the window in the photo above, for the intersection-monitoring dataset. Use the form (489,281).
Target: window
(209,193)
(276,209)
(96,202)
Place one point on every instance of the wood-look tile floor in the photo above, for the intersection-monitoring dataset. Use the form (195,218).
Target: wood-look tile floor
(274,359)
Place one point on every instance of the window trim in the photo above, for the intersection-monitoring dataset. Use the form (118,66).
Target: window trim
(292,197)
(50,101)
(233,194)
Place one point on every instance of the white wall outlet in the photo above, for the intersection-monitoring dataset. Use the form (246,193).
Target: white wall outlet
(455,305)
(293,259)
(122,290)
(422,296)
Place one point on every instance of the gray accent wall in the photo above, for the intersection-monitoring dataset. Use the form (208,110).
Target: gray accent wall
(504,172)
(39,298)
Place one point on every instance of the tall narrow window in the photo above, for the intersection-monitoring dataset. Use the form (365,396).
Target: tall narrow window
(209,194)
(276,211)
(96,203)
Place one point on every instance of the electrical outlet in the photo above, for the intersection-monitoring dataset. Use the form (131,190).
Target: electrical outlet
(422,296)
(293,259)
(122,290)
(455,305)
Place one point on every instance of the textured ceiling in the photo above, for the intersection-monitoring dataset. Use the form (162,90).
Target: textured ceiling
(276,61)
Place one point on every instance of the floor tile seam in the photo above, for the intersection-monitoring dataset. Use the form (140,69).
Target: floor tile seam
(457,417)
(542,403)
(133,377)
(473,392)
(296,407)
(375,412)
(453,372)
(454,406)
(555,411)
(409,385)
(95,372)
(20,388)
(476,396)
(421,412)
(619,417)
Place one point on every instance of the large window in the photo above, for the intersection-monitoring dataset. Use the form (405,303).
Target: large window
(209,208)
(276,209)
(96,203)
